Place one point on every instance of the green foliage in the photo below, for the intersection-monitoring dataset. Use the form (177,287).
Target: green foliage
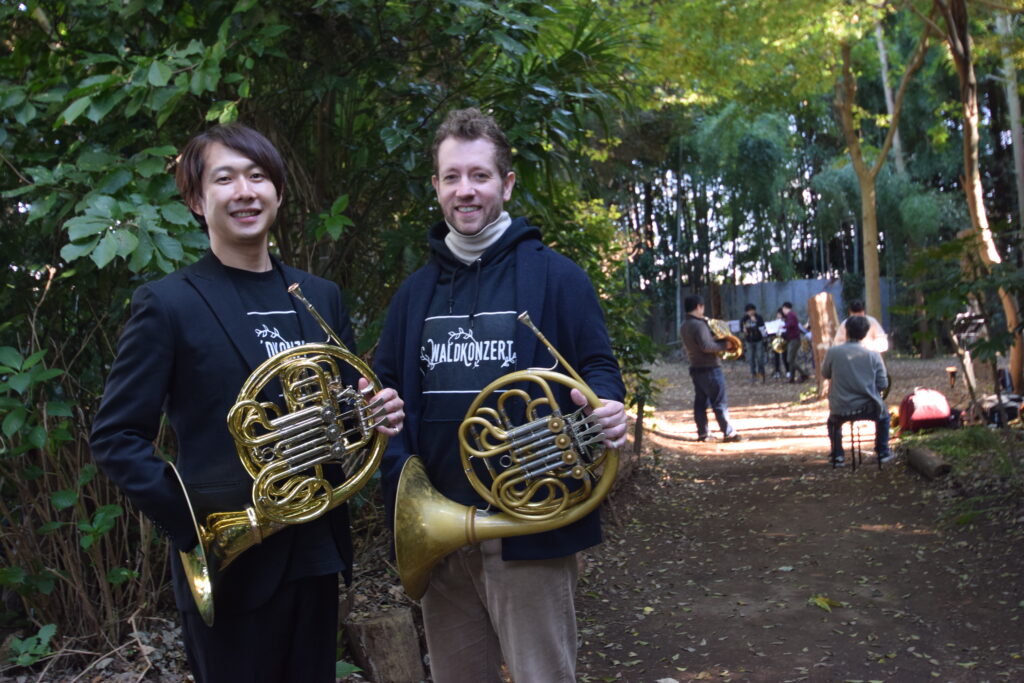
(589,230)
(987,470)
(34,648)
(343,668)
(939,269)
(96,99)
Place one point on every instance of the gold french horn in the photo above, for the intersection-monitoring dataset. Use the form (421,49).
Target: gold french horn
(778,344)
(720,330)
(324,422)
(545,474)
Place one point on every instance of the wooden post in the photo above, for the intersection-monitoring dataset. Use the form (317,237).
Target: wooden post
(824,323)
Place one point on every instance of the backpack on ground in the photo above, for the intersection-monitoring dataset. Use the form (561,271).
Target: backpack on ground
(924,409)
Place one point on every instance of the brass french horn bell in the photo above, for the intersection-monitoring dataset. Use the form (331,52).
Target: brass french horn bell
(720,330)
(542,475)
(324,422)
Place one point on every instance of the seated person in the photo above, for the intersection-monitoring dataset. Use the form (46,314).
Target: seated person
(858,378)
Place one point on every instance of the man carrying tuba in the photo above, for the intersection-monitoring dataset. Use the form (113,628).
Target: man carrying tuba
(703,351)
(192,340)
(451,330)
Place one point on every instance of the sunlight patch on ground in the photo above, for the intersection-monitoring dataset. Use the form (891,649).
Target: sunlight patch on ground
(896,527)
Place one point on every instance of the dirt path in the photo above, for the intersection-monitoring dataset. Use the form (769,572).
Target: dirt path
(755,561)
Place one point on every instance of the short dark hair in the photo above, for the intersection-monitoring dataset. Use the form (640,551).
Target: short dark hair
(244,140)
(786,304)
(472,124)
(856,306)
(691,302)
(749,307)
(857,327)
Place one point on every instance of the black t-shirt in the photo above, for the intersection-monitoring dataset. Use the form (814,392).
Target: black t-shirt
(275,320)
(275,328)
(752,328)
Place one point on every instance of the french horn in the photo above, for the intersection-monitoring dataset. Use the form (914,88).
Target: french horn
(542,475)
(720,330)
(778,344)
(324,422)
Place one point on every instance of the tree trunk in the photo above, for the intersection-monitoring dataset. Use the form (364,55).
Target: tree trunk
(890,105)
(846,94)
(386,646)
(1005,30)
(958,39)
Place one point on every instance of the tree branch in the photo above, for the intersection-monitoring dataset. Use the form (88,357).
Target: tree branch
(915,63)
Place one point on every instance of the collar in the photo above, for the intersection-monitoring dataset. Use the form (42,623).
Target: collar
(468,248)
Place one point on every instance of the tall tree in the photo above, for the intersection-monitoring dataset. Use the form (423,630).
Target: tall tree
(958,39)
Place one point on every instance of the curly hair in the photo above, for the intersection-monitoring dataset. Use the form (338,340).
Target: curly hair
(472,124)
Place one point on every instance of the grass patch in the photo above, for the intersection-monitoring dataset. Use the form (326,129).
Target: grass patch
(987,477)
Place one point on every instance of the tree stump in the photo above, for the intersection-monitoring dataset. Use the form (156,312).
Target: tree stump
(386,646)
(927,462)
(824,323)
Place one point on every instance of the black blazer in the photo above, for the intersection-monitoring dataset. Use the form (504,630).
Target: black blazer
(181,355)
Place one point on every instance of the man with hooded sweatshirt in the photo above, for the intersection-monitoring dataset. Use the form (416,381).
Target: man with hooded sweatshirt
(451,330)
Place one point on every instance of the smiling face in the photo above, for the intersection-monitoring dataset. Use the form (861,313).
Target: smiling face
(469,187)
(238,201)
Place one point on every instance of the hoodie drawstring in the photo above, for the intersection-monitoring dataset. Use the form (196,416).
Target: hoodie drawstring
(476,292)
(478,264)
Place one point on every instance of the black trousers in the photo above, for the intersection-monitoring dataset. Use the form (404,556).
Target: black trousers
(293,637)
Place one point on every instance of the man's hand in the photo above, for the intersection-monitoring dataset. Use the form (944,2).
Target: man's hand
(611,415)
(392,405)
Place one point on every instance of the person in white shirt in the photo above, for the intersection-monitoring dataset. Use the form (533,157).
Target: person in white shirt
(876,339)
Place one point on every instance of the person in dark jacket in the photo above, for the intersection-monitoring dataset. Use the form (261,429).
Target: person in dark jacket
(703,351)
(794,335)
(190,343)
(451,330)
(753,334)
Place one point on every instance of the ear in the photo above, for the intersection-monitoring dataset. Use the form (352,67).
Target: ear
(433,183)
(195,205)
(507,184)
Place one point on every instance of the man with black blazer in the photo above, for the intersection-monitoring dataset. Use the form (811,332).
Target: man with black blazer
(192,340)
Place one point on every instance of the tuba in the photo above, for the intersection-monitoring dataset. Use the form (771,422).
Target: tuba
(720,330)
(538,476)
(324,423)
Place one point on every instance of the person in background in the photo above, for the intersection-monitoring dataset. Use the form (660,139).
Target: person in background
(858,378)
(706,370)
(779,361)
(876,338)
(793,334)
(753,334)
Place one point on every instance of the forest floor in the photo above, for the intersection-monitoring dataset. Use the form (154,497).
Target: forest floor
(749,561)
(756,561)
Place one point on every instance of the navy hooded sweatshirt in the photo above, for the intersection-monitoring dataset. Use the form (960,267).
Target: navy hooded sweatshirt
(452,329)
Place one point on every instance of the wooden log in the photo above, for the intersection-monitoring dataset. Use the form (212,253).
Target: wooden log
(386,647)
(927,462)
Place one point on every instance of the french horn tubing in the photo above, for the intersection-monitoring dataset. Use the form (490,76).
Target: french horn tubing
(542,475)
(720,330)
(324,422)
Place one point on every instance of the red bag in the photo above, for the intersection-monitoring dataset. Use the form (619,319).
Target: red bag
(924,409)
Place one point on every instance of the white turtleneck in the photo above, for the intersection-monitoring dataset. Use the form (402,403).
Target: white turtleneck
(468,248)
